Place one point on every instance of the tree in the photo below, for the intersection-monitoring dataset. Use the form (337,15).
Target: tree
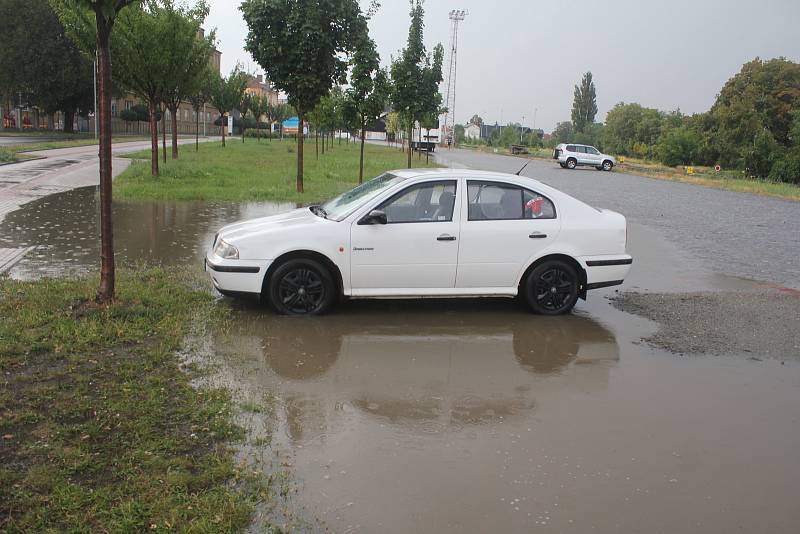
(278,113)
(678,146)
(105,15)
(629,125)
(563,132)
(303,46)
(39,60)
(187,56)
(368,93)
(414,75)
(476,120)
(259,107)
(245,105)
(392,125)
(198,99)
(584,106)
(227,93)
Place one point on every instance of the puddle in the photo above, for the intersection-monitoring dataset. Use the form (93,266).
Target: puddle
(464,415)
(64,228)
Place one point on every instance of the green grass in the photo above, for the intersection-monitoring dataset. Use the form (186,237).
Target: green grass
(68,143)
(256,171)
(100,427)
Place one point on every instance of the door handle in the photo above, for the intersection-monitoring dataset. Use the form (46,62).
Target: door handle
(445,237)
(537,235)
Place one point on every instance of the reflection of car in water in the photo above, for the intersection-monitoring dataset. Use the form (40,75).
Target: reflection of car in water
(420,365)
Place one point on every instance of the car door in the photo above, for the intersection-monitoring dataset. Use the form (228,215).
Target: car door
(593,156)
(505,225)
(583,157)
(416,248)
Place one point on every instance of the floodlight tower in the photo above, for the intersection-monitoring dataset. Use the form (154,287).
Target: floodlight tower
(456,16)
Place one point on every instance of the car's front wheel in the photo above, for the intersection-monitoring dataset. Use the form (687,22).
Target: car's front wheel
(301,287)
(607,165)
(572,163)
(552,288)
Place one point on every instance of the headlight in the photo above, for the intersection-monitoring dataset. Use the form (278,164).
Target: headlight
(225,250)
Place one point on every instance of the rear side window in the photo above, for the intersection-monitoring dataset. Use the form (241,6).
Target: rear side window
(497,201)
(570,148)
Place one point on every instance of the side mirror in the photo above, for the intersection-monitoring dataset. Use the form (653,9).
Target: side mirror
(374,217)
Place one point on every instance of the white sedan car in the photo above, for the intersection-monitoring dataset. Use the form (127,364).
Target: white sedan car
(426,233)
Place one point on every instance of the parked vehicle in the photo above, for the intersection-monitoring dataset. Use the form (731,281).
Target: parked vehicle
(426,233)
(572,155)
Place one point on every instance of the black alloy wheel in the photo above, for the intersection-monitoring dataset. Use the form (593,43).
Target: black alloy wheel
(301,287)
(552,288)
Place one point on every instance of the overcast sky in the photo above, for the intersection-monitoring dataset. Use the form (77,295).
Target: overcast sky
(515,56)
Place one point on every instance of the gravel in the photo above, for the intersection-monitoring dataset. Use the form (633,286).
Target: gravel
(759,325)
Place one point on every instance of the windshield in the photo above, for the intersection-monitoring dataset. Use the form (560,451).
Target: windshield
(343,205)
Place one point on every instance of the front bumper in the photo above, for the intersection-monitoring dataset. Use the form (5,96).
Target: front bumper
(235,276)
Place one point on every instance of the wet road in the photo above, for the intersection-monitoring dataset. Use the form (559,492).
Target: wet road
(452,416)
(734,233)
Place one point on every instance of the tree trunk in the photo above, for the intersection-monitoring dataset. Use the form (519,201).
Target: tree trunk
(361,159)
(164,133)
(323,142)
(69,120)
(197,131)
(316,141)
(410,150)
(153,140)
(223,122)
(105,293)
(174,133)
(300,152)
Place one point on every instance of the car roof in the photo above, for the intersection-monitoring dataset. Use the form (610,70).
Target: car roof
(467,173)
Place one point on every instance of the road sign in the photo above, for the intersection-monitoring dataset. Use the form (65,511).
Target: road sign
(689,170)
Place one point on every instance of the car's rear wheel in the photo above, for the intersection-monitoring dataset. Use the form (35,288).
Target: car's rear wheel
(572,163)
(607,165)
(301,287)
(552,288)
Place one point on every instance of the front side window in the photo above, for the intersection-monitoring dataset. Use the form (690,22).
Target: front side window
(496,201)
(592,150)
(425,202)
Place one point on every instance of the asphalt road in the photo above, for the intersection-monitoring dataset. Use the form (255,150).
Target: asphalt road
(737,234)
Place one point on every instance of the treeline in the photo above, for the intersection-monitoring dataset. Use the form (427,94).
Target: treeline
(753,126)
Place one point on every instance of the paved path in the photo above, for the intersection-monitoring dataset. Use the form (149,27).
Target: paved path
(734,233)
(62,170)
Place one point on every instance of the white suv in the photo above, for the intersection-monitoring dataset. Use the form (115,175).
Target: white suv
(570,156)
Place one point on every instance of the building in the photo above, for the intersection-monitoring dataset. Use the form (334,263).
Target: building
(472,131)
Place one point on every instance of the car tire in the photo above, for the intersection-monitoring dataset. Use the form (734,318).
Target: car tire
(607,165)
(301,287)
(572,163)
(552,288)
(599,167)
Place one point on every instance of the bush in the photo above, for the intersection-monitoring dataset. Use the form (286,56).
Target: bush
(678,146)
(263,131)
(787,169)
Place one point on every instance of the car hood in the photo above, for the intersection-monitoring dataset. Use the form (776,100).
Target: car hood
(243,229)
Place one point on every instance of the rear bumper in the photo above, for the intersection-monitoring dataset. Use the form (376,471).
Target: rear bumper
(236,276)
(606,271)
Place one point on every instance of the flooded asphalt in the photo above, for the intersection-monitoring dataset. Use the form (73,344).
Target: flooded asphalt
(474,415)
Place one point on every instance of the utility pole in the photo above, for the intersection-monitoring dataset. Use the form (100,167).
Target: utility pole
(456,16)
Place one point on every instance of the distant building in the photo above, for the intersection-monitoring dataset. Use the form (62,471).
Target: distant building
(472,131)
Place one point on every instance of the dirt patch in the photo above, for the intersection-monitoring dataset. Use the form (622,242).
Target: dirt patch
(761,325)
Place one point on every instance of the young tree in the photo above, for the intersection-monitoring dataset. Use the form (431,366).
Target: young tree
(105,15)
(259,106)
(368,94)
(245,105)
(226,94)
(198,101)
(187,56)
(392,125)
(584,106)
(303,46)
(414,75)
